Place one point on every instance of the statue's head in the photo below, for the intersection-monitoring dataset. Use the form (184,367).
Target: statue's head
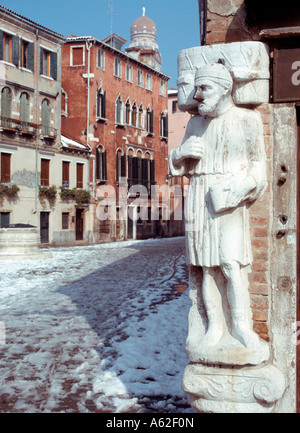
(213,87)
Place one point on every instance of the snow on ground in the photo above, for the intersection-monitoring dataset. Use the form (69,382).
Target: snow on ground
(95,329)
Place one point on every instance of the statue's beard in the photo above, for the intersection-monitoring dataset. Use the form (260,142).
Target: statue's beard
(206,108)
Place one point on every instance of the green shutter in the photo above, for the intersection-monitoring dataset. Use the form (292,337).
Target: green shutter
(31,56)
(24,107)
(15,50)
(1,45)
(6,102)
(41,61)
(53,65)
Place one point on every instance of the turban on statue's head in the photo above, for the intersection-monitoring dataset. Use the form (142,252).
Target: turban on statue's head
(215,72)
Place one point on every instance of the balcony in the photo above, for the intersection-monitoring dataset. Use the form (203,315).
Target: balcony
(27,128)
(15,125)
(48,133)
(9,125)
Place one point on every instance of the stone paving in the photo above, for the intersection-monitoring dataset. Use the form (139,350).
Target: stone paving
(95,329)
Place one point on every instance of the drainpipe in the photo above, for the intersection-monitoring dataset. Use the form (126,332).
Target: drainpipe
(88,47)
(37,120)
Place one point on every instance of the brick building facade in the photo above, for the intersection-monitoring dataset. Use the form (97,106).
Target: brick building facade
(116,102)
(273,281)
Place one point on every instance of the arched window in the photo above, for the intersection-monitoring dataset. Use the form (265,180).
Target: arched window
(120,165)
(134,115)
(164,124)
(24,107)
(101,165)
(141,117)
(101,104)
(6,103)
(119,111)
(46,118)
(149,121)
(127,112)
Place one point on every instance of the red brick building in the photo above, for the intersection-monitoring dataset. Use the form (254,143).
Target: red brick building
(116,102)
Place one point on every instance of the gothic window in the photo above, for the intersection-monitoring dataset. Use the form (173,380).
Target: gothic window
(6,103)
(101,165)
(119,111)
(101,104)
(24,107)
(134,115)
(127,112)
(46,117)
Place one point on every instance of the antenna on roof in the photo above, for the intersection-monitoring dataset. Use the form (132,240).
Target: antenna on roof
(144,10)
(112,14)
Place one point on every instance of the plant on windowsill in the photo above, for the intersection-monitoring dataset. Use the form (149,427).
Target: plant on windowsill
(49,193)
(80,196)
(9,191)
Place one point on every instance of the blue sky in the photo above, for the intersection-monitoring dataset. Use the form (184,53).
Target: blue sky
(177,22)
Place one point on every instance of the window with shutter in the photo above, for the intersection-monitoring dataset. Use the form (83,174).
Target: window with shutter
(101,104)
(45,172)
(24,107)
(101,164)
(127,112)
(152,172)
(6,102)
(79,175)
(24,54)
(7,47)
(119,105)
(53,65)
(46,117)
(15,50)
(65,220)
(48,63)
(4,219)
(1,44)
(5,167)
(30,60)
(45,62)
(66,174)
(77,56)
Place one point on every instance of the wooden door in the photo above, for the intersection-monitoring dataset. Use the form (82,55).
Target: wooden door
(79,224)
(44,227)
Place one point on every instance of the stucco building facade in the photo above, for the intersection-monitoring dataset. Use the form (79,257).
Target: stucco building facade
(32,150)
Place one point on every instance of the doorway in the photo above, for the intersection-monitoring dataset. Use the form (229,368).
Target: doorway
(44,227)
(79,224)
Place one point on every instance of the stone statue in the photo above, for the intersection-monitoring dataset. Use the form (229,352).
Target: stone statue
(223,155)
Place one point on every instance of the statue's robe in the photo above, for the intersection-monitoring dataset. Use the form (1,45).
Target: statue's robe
(233,151)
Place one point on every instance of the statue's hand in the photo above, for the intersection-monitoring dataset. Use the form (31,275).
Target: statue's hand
(193,147)
(239,191)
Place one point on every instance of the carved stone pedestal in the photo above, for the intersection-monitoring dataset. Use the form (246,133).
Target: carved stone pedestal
(233,390)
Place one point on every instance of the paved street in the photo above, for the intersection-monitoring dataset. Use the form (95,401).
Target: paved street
(99,328)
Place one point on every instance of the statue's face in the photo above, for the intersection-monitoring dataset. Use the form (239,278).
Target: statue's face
(208,94)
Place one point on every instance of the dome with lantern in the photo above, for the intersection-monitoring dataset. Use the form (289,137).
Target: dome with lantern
(143,46)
